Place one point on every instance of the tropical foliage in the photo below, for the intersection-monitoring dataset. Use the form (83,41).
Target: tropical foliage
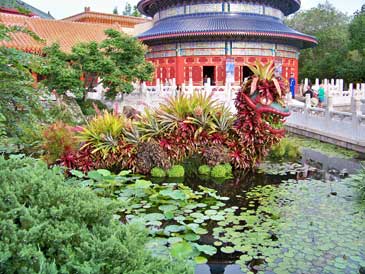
(186,126)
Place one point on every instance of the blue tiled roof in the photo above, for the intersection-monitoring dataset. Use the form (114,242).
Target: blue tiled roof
(229,24)
(150,7)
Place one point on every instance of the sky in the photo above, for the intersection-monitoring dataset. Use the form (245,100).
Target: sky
(61,9)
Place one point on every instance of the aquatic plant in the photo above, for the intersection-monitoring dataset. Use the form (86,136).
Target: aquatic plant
(286,150)
(325,148)
(358,182)
(176,171)
(175,215)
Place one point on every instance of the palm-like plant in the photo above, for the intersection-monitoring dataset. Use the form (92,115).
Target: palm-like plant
(264,81)
(103,133)
(149,126)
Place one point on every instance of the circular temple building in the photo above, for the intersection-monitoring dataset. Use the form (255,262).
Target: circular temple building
(200,39)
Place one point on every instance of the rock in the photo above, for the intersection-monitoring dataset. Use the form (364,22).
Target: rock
(362,270)
(202,269)
(131,112)
(233,269)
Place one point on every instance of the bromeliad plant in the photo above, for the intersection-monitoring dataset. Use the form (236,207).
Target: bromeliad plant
(187,125)
(261,111)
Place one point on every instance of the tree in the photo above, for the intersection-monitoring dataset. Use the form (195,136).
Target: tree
(330,27)
(19,101)
(127,9)
(117,62)
(136,12)
(357,31)
(115,10)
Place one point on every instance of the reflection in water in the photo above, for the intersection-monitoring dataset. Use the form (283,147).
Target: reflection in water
(322,220)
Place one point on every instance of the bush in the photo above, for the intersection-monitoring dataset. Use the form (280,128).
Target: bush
(176,171)
(58,139)
(228,168)
(220,171)
(204,170)
(48,226)
(158,172)
(87,107)
(103,133)
(286,150)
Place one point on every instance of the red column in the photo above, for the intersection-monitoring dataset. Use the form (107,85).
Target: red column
(179,70)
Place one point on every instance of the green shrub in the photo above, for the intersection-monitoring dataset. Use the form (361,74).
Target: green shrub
(204,170)
(222,171)
(176,171)
(87,107)
(228,168)
(219,171)
(286,150)
(49,226)
(158,172)
(58,139)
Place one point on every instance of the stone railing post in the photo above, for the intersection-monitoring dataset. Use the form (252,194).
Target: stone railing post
(329,108)
(356,113)
(158,85)
(143,88)
(307,101)
(190,85)
(351,90)
(307,109)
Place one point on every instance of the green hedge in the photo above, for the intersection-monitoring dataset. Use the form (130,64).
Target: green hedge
(48,226)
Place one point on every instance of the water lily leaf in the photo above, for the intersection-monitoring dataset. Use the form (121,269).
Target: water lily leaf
(124,172)
(169,215)
(217,217)
(218,243)
(227,249)
(167,208)
(174,194)
(173,240)
(210,212)
(77,173)
(154,217)
(104,172)
(174,228)
(95,175)
(207,249)
(142,184)
(181,250)
(200,260)
(154,223)
(191,237)
(197,215)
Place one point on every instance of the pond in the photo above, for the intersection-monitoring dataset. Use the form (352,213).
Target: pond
(316,223)
(284,218)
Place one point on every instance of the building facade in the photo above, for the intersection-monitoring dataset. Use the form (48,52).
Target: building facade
(200,39)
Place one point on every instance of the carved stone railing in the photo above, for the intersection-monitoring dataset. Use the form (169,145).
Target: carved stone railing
(338,125)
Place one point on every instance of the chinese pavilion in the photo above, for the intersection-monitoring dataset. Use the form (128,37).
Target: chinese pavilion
(199,39)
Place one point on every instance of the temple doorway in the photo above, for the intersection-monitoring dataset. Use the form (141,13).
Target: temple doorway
(245,73)
(209,72)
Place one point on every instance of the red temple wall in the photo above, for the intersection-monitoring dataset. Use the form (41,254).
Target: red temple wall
(182,68)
